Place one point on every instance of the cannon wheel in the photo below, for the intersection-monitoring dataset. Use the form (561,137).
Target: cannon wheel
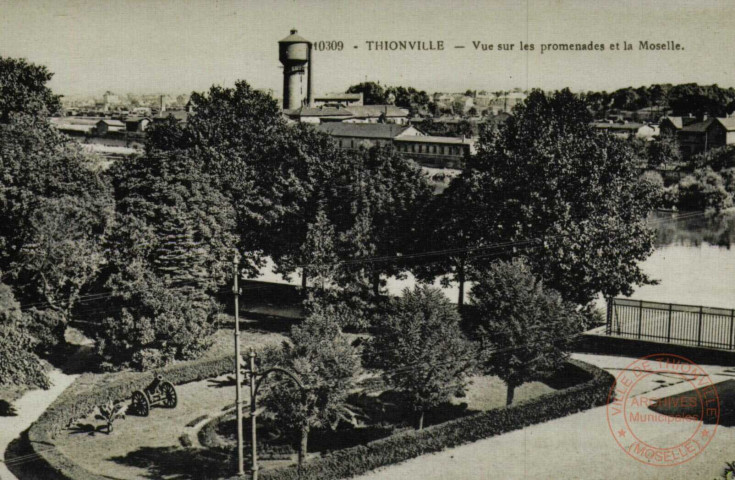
(140,404)
(169,395)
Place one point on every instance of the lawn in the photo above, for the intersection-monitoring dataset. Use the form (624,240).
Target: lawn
(166,442)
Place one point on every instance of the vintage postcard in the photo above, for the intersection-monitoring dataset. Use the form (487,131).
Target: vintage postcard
(381,240)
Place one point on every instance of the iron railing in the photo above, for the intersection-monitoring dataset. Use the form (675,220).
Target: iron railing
(672,323)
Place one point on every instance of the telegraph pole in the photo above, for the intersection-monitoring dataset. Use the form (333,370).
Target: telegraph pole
(238,380)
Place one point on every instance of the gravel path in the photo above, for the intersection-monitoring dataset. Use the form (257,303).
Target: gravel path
(29,407)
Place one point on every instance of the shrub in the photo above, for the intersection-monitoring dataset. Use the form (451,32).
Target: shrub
(704,190)
(7,409)
(109,413)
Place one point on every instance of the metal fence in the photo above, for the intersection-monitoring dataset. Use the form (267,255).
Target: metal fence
(682,324)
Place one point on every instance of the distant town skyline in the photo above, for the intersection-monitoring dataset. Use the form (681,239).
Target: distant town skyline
(167,46)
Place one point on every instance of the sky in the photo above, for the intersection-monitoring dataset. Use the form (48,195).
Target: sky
(176,46)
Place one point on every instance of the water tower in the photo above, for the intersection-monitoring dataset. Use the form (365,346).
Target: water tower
(294,52)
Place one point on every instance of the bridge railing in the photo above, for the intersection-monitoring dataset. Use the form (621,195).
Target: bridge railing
(694,325)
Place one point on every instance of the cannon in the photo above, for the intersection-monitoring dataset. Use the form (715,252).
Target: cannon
(158,392)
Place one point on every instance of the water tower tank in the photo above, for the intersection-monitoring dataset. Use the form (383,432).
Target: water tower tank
(294,52)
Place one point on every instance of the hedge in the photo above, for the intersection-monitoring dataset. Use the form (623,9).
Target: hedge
(404,446)
(68,408)
(592,391)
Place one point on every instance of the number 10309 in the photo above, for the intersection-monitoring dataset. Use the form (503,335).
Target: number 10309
(328,45)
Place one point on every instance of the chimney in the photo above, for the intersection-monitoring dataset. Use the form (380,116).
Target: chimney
(163,103)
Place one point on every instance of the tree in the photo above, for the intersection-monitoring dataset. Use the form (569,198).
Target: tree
(664,151)
(23,90)
(703,190)
(569,195)
(56,211)
(525,330)
(168,255)
(421,349)
(715,158)
(449,222)
(388,192)
(326,364)
(372,93)
(19,365)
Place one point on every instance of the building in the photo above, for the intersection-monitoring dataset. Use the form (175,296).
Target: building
(338,99)
(710,133)
(108,125)
(352,136)
(294,52)
(443,152)
(137,124)
(671,126)
(628,129)
(322,114)
(352,114)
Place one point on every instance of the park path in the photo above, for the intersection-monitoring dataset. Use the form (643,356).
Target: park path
(578,446)
(29,407)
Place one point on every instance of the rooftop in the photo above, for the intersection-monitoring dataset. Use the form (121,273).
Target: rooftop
(432,139)
(363,130)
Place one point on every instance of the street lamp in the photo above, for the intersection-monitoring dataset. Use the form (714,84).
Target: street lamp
(238,380)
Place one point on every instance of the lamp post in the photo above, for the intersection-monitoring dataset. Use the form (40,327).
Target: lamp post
(238,380)
(253,415)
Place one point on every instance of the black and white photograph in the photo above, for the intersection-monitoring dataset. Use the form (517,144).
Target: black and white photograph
(370,240)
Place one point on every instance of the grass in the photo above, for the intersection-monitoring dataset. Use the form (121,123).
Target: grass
(144,447)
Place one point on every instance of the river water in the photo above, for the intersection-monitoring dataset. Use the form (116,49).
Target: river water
(694,263)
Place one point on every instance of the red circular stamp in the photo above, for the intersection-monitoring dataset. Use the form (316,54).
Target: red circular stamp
(663,409)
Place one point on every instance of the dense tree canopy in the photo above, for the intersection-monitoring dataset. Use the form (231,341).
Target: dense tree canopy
(169,252)
(56,211)
(23,89)
(570,195)
(19,365)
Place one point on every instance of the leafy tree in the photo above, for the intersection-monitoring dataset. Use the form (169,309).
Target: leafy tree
(449,222)
(326,364)
(167,134)
(407,97)
(703,190)
(525,329)
(318,251)
(421,349)
(715,158)
(19,365)
(664,151)
(23,89)
(56,211)
(570,195)
(372,93)
(388,193)
(168,254)
(152,324)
